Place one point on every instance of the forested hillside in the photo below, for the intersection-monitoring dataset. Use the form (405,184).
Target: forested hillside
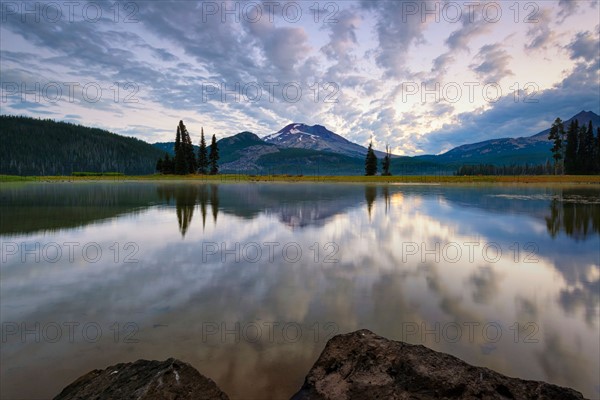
(44,147)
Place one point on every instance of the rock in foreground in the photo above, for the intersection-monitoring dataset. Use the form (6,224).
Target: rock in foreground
(362,365)
(144,380)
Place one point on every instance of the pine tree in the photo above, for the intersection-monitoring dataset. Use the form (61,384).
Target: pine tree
(180,167)
(213,157)
(370,161)
(202,155)
(188,149)
(571,148)
(556,135)
(385,164)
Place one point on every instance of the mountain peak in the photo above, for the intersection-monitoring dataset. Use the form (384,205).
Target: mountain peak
(315,137)
(586,114)
(294,126)
(584,117)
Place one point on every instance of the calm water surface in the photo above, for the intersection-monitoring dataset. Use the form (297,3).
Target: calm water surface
(247,282)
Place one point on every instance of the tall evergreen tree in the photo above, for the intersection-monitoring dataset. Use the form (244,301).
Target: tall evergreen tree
(213,157)
(180,165)
(571,148)
(188,149)
(202,155)
(556,136)
(386,163)
(370,161)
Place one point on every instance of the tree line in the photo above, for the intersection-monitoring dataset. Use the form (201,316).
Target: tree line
(509,170)
(576,151)
(33,146)
(185,160)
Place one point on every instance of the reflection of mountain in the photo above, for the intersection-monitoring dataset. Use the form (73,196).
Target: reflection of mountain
(40,207)
(296,205)
(33,207)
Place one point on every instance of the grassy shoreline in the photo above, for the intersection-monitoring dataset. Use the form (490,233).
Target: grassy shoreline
(578,179)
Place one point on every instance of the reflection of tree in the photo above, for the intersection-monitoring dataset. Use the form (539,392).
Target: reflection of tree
(185,201)
(214,201)
(553,221)
(386,197)
(184,217)
(186,197)
(370,196)
(576,212)
(203,197)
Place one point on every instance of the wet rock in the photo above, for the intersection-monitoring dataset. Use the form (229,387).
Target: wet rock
(143,380)
(362,365)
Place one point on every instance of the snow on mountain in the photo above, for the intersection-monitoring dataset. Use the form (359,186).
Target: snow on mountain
(316,137)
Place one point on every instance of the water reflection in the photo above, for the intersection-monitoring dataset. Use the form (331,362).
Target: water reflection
(174,289)
(187,198)
(214,201)
(43,207)
(370,196)
(576,212)
(386,197)
(51,207)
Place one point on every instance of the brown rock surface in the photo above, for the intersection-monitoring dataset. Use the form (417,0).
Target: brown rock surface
(143,380)
(362,365)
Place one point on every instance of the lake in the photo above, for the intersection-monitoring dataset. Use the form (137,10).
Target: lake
(248,281)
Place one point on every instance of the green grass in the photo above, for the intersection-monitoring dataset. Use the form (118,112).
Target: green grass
(14,178)
(594,179)
(97,174)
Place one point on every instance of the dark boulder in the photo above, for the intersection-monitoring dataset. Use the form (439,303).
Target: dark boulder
(143,380)
(362,365)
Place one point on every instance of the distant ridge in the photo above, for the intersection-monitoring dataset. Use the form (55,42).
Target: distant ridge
(533,149)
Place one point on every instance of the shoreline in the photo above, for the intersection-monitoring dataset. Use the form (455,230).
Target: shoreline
(408,179)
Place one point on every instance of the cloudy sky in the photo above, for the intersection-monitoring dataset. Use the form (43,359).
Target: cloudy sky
(423,76)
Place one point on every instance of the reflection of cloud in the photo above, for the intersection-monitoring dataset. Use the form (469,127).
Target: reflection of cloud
(374,285)
(527,310)
(485,284)
(562,364)
(584,297)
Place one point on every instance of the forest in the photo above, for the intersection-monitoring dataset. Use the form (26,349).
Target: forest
(33,146)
